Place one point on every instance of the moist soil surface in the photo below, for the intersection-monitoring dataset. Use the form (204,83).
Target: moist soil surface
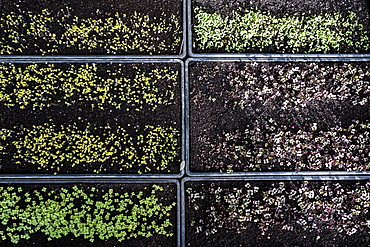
(279,117)
(133,117)
(280,8)
(216,213)
(166,197)
(136,15)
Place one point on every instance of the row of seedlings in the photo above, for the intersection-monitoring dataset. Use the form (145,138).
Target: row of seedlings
(276,28)
(116,28)
(276,211)
(89,212)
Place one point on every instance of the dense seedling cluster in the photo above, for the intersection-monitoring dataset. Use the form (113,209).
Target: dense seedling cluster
(256,31)
(288,116)
(281,207)
(39,86)
(91,213)
(118,34)
(50,148)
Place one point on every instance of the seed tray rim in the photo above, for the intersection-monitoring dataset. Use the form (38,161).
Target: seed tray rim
(105,60)
(233,174)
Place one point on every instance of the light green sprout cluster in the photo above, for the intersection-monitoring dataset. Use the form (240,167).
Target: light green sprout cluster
(77,211)
(249,30)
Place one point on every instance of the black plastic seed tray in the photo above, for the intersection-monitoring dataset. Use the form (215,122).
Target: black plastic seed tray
(163,193)
(222,37)
(242,113)
(96,110)
(269,210)
(113,29)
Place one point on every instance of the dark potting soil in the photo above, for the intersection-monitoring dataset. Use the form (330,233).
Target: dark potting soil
(279,117)
(138,117)
(165,197)
(280,9)
(286,213)
(86,27)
